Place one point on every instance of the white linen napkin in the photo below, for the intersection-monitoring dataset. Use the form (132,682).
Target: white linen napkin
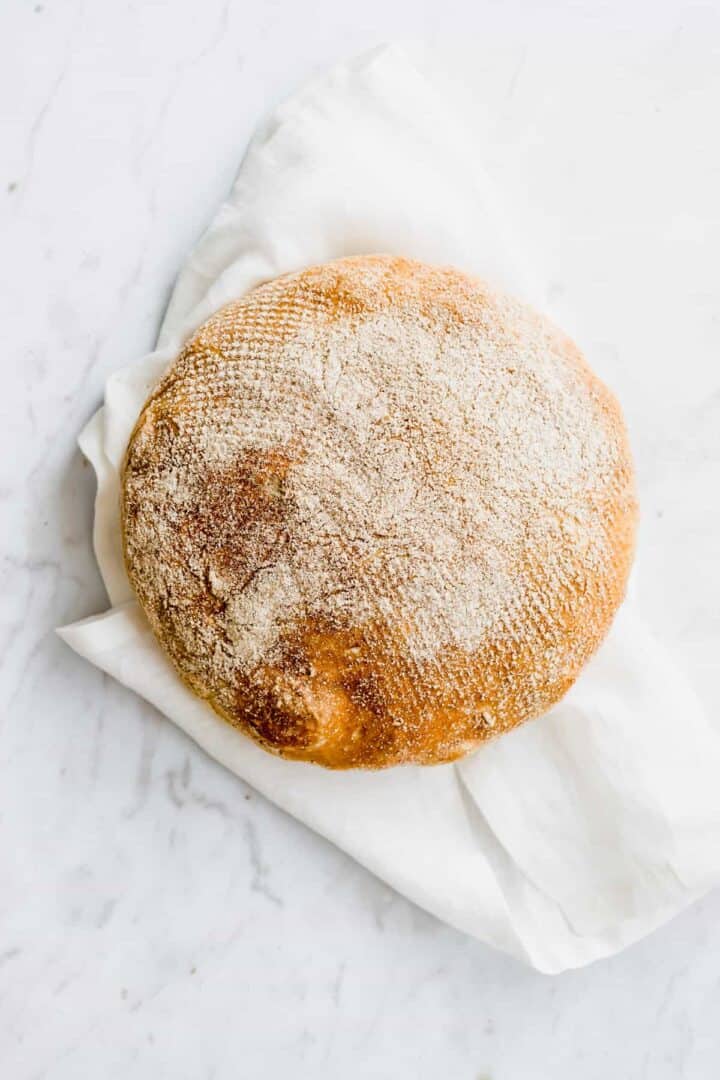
(571,836)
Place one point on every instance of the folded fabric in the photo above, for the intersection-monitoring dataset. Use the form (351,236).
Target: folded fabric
(571,836)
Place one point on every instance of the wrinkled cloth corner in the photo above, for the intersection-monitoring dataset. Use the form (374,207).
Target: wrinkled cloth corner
(565,840)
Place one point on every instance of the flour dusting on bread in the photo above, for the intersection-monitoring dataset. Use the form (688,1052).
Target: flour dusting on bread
(387,457)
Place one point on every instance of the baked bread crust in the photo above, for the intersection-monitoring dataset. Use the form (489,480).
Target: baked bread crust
(377,513)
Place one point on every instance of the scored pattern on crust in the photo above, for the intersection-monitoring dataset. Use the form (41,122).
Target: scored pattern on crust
(377,513)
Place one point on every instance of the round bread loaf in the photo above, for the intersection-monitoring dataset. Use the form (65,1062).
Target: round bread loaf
(377,513)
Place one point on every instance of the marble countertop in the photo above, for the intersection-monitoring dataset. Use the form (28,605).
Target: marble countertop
(157,918)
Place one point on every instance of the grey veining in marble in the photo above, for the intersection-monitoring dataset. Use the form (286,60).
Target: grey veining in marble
(157,918)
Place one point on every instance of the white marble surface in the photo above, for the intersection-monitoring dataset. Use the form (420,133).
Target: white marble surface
(157,919)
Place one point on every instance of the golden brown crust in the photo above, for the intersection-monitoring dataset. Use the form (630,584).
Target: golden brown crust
(377,514)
